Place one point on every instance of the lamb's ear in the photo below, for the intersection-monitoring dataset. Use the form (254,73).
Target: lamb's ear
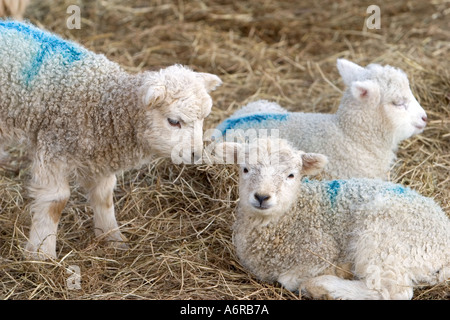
(313,163)
(348,70)
(211,80)
(366,91)
(152,94)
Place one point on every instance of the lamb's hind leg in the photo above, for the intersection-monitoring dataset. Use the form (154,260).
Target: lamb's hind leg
(50,189)
(333,287)
(100,196)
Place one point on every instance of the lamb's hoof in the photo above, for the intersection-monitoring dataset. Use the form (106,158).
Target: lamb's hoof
(32,252)
(115,240)
(317,293)
(318,288)
(120,245)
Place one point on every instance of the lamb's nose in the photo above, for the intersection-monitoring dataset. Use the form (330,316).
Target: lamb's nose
(261,198)
(424,118)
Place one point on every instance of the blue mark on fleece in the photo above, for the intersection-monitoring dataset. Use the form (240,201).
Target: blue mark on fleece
(49,45)
(249,120)
(333,190)
(400,190)
(397,189)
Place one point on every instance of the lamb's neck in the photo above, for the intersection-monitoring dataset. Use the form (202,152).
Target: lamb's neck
(126,121)
(365,127)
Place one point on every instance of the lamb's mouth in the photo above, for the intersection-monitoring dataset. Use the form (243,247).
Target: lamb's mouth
(264,207)
(419,127)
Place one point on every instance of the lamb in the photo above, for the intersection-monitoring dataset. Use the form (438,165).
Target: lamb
(83,118)
(341,239)
(13,8)
(377,112)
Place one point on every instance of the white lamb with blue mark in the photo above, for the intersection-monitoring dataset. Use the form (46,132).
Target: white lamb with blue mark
(377,112)
(340,239)
(84,118)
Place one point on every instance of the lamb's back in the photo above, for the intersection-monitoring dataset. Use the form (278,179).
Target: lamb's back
(63,97)
(39,69)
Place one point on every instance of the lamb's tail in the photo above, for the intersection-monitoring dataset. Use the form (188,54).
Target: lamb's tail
(260,106)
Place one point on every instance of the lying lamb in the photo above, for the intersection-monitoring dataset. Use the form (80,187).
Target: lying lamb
(340,239)
(377,112)
(83,117)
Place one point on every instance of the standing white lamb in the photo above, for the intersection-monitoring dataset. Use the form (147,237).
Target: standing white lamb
(377,112)
(83,117)
(340,239)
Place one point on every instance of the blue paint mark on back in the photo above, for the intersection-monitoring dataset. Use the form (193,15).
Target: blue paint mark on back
(333,188)
(400,190)
(249,120)
(48,46)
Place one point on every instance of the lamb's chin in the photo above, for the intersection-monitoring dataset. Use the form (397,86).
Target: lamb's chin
(266,214)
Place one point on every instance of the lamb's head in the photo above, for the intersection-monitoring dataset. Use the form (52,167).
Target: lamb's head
(386,90)
(270,173)
(176,100)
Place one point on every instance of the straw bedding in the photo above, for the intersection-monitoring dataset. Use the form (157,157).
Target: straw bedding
(178,218)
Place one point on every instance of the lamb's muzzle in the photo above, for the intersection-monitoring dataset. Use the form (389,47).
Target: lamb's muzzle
(262,200)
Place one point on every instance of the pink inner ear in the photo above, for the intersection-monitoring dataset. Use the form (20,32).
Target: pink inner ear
(360,91)
(366,90)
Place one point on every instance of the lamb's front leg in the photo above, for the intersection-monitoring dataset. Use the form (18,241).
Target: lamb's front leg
(335,288)
(100,196)
(50,189)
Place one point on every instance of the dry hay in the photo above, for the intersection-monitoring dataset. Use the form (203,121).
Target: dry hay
(178,218)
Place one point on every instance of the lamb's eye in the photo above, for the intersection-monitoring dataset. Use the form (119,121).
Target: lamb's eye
(291,176)
(399,104)
(245,170)
(174,123)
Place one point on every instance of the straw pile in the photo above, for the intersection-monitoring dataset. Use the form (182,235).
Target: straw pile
(178,218)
